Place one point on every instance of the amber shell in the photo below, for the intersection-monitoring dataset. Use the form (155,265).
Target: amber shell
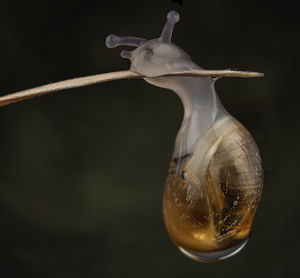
(211,195)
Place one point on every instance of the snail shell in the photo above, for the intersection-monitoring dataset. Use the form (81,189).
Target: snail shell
(212,194)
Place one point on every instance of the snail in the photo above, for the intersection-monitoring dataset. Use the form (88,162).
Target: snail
(215,178)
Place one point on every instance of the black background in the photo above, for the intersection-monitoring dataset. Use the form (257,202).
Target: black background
(82,171)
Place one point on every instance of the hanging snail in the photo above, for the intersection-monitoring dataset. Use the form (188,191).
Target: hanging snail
(215,178)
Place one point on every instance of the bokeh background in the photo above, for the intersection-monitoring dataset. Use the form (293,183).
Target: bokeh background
(82,171)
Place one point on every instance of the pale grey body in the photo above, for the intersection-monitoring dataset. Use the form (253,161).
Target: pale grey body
(160,57)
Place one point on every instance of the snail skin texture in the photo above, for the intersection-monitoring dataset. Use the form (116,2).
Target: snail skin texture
(215,179)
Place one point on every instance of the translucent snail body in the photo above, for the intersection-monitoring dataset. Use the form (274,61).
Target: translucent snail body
(215,178)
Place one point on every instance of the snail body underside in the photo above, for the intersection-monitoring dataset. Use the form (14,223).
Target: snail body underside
(212,194)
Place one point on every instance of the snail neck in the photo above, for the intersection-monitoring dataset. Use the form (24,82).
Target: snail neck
(202,108)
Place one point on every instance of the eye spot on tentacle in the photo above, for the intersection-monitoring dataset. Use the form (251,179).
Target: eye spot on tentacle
(112,41)
(173,17)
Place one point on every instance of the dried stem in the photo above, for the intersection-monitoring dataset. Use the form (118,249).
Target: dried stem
(105,77)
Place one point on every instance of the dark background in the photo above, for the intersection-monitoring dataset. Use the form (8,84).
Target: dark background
(82,171)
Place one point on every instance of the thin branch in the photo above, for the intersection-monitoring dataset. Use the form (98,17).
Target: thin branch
(217,73)
(67,84)
(105,77)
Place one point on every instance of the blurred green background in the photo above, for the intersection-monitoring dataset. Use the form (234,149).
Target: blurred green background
(82,171)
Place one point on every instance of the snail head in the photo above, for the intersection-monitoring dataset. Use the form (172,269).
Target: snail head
(154,57)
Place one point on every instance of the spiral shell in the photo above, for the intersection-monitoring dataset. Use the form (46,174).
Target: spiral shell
(211,195)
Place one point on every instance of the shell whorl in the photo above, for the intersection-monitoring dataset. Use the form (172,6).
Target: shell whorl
(211,196)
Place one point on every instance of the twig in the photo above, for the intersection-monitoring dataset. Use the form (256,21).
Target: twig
(105,77)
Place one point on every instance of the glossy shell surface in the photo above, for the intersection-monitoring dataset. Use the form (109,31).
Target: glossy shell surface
(211,195)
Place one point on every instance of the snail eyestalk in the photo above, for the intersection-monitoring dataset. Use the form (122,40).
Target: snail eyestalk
(172,18)
(126,54)
(113,41)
